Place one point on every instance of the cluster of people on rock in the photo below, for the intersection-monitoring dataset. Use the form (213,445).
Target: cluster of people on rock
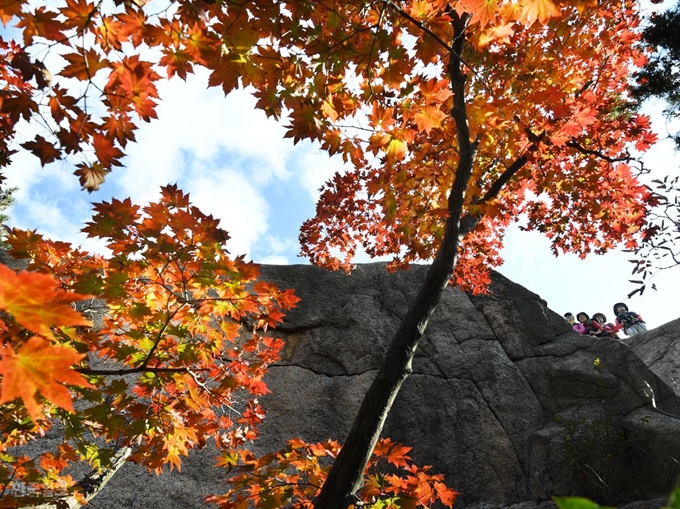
(630,322)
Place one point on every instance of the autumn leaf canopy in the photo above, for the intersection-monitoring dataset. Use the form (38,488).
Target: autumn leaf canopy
(546,95)
(178,354)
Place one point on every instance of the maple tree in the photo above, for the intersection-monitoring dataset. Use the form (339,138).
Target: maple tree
(178,359)
(456,118)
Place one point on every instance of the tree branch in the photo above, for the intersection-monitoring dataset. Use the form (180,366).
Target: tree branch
(89,486)
(470,221)
(419,24)
(129,371)
(583,150)
(439,41)
(505,177)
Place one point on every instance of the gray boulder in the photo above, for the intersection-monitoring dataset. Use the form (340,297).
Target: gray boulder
(505,399)
(659,349)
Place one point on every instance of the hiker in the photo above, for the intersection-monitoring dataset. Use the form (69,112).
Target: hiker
(569,318)
(585,324)
(608,330)
(631,322)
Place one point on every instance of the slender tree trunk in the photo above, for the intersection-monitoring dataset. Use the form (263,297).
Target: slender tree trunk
(90,486)
(347,473)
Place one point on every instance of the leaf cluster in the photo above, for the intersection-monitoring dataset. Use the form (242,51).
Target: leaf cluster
(293,477)
(178,356)
(658,250)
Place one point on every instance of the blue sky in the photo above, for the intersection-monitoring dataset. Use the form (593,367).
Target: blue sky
(237,166)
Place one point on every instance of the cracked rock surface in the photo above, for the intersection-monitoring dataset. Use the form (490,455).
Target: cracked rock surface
(505,399)
(660,350)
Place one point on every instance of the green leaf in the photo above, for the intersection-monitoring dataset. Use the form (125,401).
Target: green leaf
(674,498)
(139,310)
(90,284)
(577,503)
(114,285)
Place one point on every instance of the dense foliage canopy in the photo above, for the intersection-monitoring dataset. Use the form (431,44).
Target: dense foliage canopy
(546,96)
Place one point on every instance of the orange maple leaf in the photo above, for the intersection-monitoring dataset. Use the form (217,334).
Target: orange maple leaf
(177,62)
(398,455)
(105,150)
(482,11)
(119,127)
(83,66)
(446,494)
(41,23)
(574,126)
(36,303)
(78,14)
(499,33)
(541,10)
(429,118)
(585,116)
(39,367)
(8,10)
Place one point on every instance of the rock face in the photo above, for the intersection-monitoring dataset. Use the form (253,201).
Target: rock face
(660,350)
(505,399)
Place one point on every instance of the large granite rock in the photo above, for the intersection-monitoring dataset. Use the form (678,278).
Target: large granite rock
(505,399)
(659,349)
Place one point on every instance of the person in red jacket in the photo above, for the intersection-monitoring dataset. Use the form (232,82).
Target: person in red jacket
(605,329)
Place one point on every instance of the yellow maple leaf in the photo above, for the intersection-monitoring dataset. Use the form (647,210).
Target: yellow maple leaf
(420,9)
(396,150)
(39,366)
(328,110)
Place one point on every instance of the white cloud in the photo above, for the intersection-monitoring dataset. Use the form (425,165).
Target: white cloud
(274,260)
(230,196)
(278,245)
(229,156)
(201,124)
(315,168)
